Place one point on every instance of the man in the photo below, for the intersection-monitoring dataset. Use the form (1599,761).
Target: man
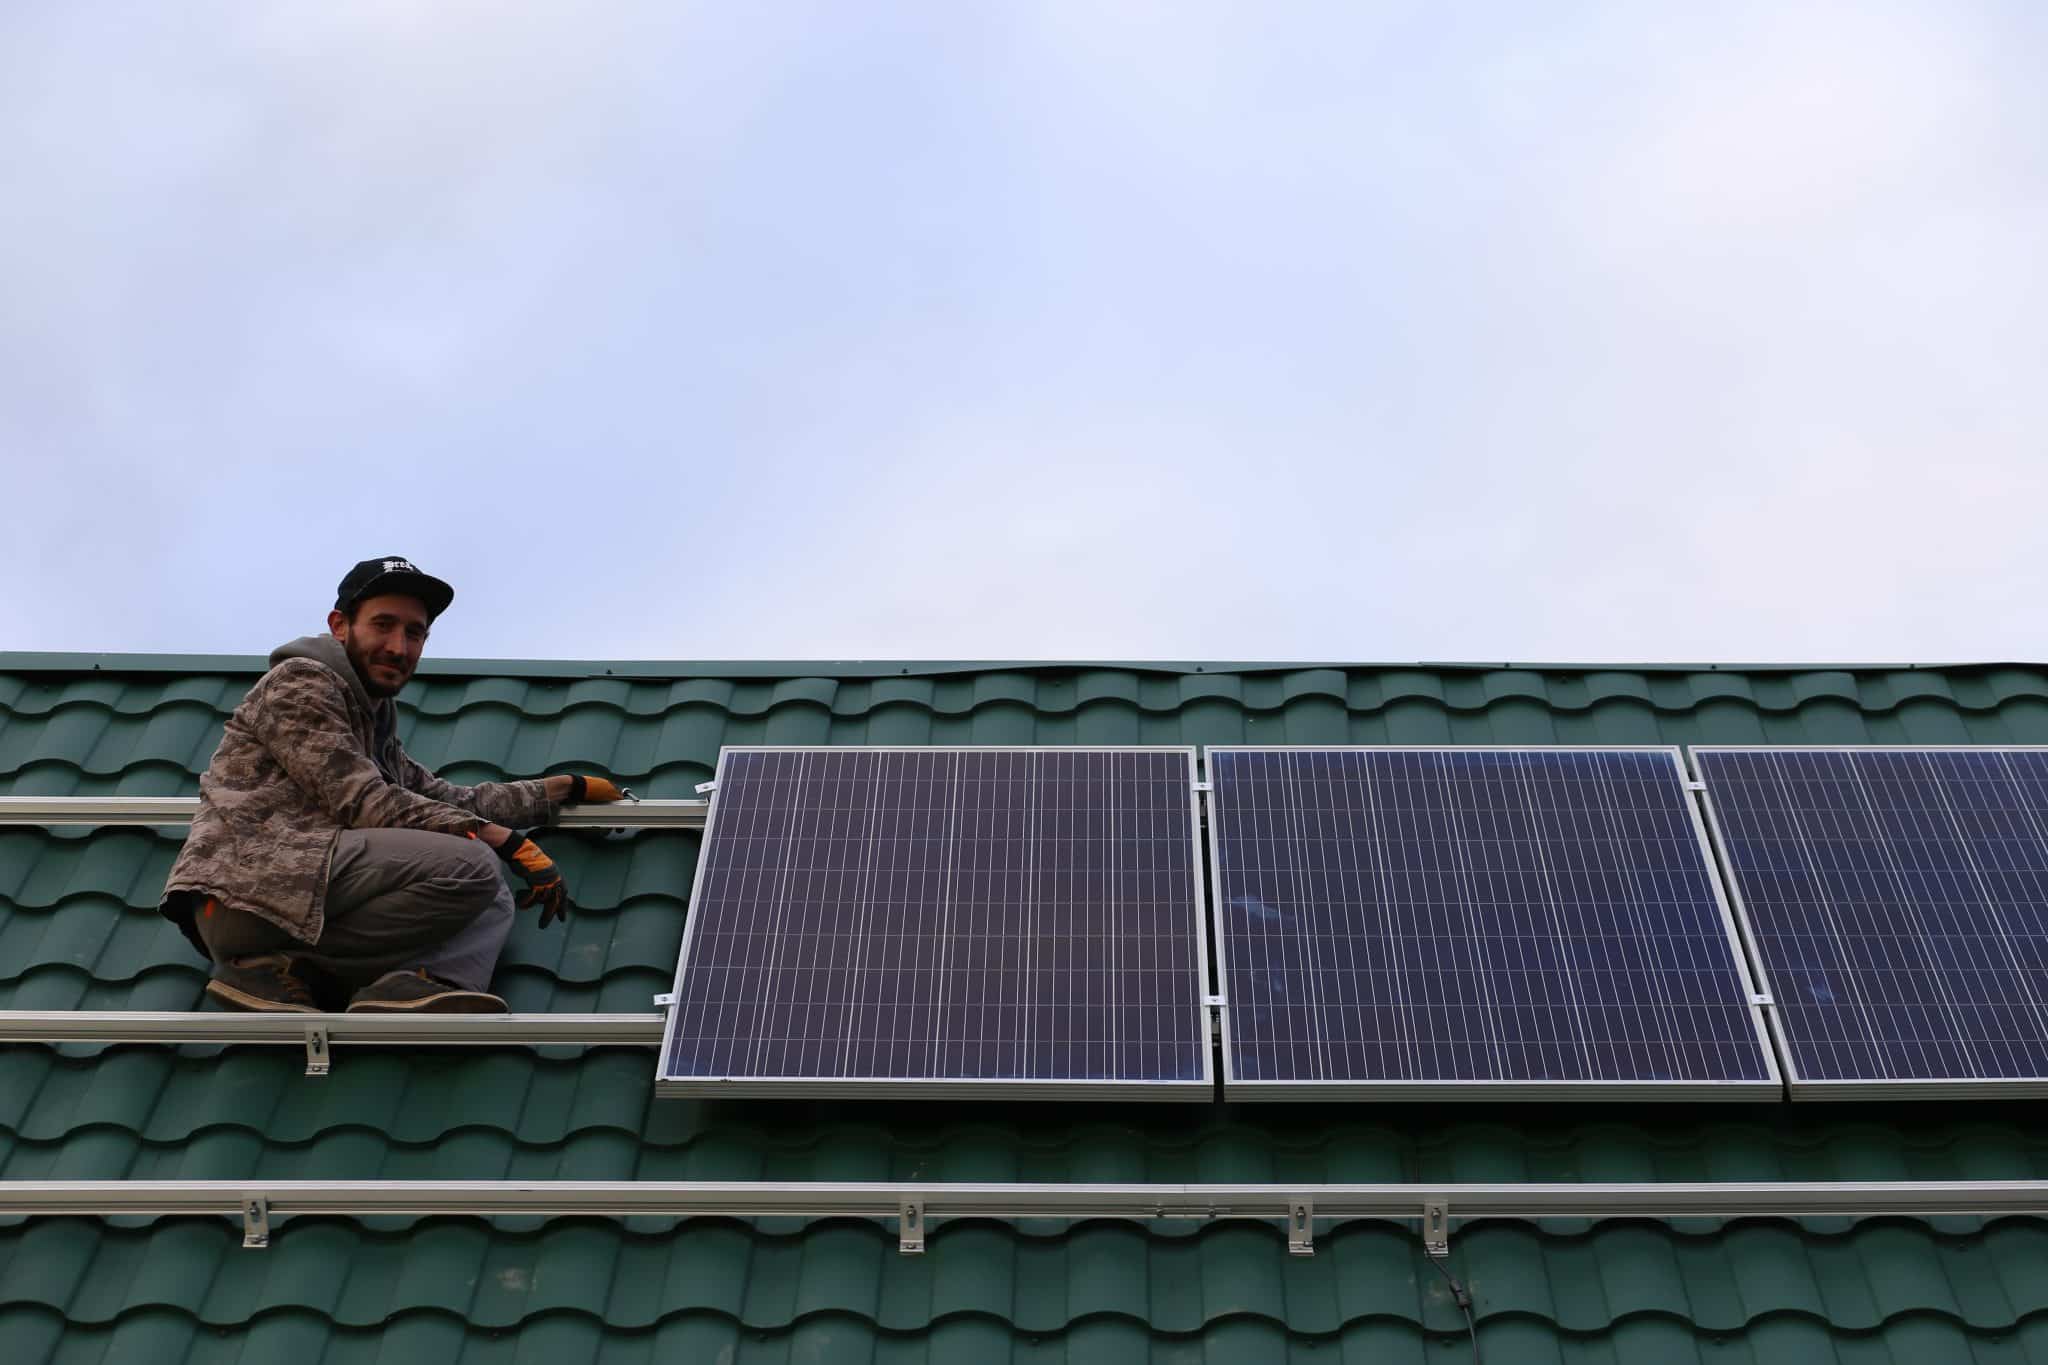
(324,864)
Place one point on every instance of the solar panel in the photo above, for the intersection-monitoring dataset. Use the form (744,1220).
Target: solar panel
(945,921)
(1897,901)
(1474,923)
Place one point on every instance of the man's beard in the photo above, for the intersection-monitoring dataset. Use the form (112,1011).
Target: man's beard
(360,660)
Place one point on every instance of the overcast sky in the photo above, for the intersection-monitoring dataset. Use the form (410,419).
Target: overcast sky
(1104,330)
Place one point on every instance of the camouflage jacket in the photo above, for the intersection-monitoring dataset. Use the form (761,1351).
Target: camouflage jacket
(305,756)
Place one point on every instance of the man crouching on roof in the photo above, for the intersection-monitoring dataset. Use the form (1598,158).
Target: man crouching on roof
(324,864)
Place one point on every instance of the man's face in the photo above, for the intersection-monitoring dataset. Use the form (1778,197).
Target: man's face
(383,641)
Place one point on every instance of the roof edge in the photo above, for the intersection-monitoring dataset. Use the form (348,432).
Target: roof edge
(645,669)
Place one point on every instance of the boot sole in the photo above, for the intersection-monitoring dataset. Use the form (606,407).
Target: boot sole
(242,1000)
(447,1002)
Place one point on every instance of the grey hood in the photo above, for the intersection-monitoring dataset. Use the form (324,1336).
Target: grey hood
(328,652)
(325,649)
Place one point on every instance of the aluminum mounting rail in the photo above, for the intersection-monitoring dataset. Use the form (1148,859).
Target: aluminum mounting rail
(177,810)
(316,1032)
(170,1026)
(256,1202)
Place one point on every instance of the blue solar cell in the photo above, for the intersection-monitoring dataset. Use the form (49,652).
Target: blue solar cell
(1475,921)
(960,921)
(1897,900)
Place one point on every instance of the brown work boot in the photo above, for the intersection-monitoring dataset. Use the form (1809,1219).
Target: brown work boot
(415,990)
(263,981)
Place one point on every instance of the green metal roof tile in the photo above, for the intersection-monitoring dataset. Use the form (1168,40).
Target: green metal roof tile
(1329,685)
(60,987)
(1176,1286)
(486,738)
(579,1290)
(40,696)
(21,742)
(790,724)
(619,991)
(44,1261)
(593,944)
(1900,1269)
(593,694)
(2001,1274)
(76,929)
(995,689)
(33,748)
(39,1334)
(436,696)
(1085,687)
(586,738)
(1996,686)
(715,694)
(39,868)
(801,693)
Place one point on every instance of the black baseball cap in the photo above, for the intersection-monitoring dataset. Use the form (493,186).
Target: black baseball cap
(392,573)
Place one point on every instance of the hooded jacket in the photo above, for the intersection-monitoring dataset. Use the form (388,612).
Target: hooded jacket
(307,755)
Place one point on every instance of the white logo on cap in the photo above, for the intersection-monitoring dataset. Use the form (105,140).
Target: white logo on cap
(399,566)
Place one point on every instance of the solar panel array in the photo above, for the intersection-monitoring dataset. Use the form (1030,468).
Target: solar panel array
(1473,922)
(1445,922)
(1897,900)
(945,921)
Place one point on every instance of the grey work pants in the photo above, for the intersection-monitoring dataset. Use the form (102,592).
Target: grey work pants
(396,899)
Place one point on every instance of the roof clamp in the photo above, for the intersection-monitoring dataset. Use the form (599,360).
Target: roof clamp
(255,1223)
(1301,1227)
(910,1227)
(706,788)
(664,1000)
(1761,998)
(1693,784)
(1436,1229)
(1205,786)
(317,1057)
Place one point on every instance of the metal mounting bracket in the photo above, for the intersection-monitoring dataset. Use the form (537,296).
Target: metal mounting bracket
(255,1223)
(1693,784)
(1205,786)
(910,1227)
(1301,1227)
(1436,1229)
(1761,998)
(706,788)
(317,1056)
(664,1000)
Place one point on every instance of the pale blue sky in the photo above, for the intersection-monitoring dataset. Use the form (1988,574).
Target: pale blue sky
(1356,331)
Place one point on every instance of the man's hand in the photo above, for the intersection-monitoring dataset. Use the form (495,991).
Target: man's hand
(544,884)
(583,788)
(573,788)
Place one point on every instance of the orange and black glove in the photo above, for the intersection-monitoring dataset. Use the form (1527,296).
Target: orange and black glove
(583,788)
(544,884)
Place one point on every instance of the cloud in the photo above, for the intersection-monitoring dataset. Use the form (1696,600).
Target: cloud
(1141,331)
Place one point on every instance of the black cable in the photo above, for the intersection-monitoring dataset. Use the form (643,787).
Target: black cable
(1464,1299)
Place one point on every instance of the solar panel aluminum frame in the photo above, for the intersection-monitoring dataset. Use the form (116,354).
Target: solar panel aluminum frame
(1801,1088)
(1771,1088)
(896,1087)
